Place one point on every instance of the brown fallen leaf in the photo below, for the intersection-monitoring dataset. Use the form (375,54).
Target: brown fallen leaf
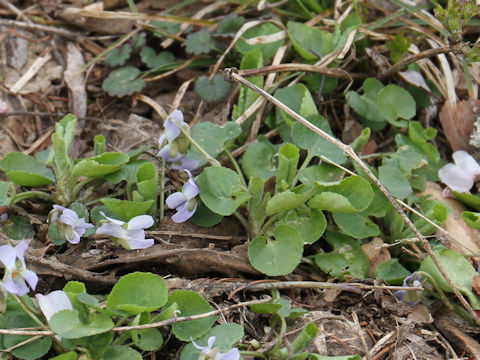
(375,253)
(476,285)
(463,239)
(457,123)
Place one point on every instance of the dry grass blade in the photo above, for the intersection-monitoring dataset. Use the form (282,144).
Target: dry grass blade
(231,73)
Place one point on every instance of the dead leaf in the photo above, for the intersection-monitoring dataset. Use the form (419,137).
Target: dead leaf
(375,253)
(464,239)
(420,315)
(76,81)
(457,122)
(476,285)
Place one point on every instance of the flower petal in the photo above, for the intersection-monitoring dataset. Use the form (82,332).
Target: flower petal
(16,287)
(466,162)
(20,250)
(31,278)
(456,179)
(69,217)
(190,189)
(140,222)
(211,339)
(135,244)
(183,213)
(172,130)
(110,229)
(58,207)
(75,239)
(175,200)
(115,221)
(233,354)
(8,256)
(54,302)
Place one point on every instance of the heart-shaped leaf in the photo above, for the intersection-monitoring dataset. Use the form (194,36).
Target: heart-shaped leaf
(310,42)
(396,103)
(257,161)
(212,90)
(100,165)
(138,292)
(356,225)
(190,303)
(121,352)
(268,49)
(67,324)
(123,81)
(212,138)
(25,170)
(126,209)
(289,199)
(391,271)
(395,181)
(352,194)
(310,223)
(278,256)
(221,190)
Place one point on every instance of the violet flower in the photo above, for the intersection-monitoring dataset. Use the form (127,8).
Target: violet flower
(460,176)
(173,144)
(3,106)
(68,224)
(130,235)
(410,296)
(184,201)
(210,352)
(54,302)
(17,276)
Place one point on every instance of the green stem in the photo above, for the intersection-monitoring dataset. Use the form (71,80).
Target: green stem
(96,200)
(468,80)
(79,186)
(211,160)
(440,292)
(242,220)
(31,194)
(253,354)
(236,166)
(269,223)
(162,190)
(305,163)
(26,308)
(275,352)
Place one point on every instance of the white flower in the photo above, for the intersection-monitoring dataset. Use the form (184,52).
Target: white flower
(17,276)
(68,224)
(130,235)
(460,176)
(184,201)
(54,302)
(210,352)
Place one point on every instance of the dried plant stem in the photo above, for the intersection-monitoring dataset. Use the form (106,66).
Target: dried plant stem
(231,73)
(167,322)
(337,73)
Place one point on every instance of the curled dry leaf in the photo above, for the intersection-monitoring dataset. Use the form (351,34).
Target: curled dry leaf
(375,253)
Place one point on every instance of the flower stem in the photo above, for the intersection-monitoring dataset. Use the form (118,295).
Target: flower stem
(305,163)
(162,190)
(269,223)
(236,166)
(32,194)
(242,220)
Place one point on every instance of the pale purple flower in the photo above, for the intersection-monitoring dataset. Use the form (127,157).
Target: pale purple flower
(214,353)
(410,296)
(3,106)
(173,145)
(54,302)
(130,235)
(68,224)
(184,201)
(17,276)
(460,176)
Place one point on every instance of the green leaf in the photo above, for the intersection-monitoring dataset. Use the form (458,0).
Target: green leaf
(458,269)
(18,228)
(467,198)
(371,88)
(297,98)
(5,189)
(288,157)
(126,209)
(190,303)
(205,217)
(311,43)
(212,90)
(118,56)
(347,196)
(257,204)
(308,140)
(396,103)
(366,108)
(100,165)
(278,256)
(391,271)
(323,173)
(361,139)
(258,160)
(230,24)
(199,42)
(472,219)
(268,49)
(123,81)
(221,190)
(419,136)
(347,258)
(310,223)
(121,352)
(395,181)
(212,138)
(32,350)
(71,355)
(302,341)
(282,307)
(25,170)
(152,60)
(289,199)
(67,324)
(126,173)
(356,225)
(138,292)
(150,340)
(147,185)
(226,335)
